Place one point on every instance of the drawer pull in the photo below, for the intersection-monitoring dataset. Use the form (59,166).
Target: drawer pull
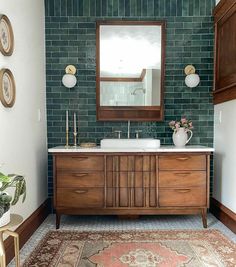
(183,190)
(80,174)
(182,173)
(81,191)
(183,159)
(80,158)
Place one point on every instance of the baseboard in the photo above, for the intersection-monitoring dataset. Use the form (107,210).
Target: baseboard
(225,215)
(27,228)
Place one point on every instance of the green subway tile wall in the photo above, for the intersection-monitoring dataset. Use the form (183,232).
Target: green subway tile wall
(71,39)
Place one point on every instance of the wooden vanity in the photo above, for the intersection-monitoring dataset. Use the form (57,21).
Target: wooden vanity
(169,181)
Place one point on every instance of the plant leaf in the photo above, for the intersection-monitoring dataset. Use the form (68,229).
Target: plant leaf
(19,190)
(4,178)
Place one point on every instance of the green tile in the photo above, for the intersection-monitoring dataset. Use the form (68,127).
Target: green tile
(191,7)
(150,8)
(162,8)
(202,7)
(121,8)
(92,7)
(185,8)
(144,8)
(63,7)
(139,7)
(109,8)
(133,8)
(86,7)
(173,8)
(167,8)
(179,7)
(115,8)
(69,7)
(156,8)
(104,7)
(80,7)
(127,8)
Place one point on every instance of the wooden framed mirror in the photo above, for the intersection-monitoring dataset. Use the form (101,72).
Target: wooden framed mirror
(130,70)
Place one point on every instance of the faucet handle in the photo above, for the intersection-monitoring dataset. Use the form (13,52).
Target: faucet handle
(118,133)
(137,132)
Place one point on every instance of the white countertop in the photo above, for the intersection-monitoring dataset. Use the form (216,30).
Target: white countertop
(98,149)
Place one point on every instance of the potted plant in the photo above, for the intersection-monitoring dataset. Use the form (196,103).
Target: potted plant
(17,182)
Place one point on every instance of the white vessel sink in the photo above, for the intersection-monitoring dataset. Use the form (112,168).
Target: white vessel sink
(144,143)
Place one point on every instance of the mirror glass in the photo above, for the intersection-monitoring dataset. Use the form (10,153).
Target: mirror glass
(130,71)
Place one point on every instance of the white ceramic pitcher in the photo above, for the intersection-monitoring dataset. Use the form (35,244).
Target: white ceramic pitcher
(180,137)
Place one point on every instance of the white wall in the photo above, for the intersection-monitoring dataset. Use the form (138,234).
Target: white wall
(23,147)
(224,189)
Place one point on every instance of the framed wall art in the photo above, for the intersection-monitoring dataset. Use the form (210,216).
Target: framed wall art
(6,36)
(7,88)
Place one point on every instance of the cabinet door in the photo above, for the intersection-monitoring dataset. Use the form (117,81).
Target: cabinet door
(137,163)
(131,181)
(131,189)
(225,50)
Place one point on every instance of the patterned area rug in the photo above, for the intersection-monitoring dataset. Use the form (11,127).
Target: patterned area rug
(195,248)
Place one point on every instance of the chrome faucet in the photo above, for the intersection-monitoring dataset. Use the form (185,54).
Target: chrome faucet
(128,132)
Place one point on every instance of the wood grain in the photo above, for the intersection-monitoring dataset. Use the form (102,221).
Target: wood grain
(131,183)
(182,162)
(80,197)
(185,197)
(182,178)
(80,179)
(79,162)
(225,50)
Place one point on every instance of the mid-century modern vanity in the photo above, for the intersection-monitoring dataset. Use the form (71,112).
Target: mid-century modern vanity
(167,180)
(131,181)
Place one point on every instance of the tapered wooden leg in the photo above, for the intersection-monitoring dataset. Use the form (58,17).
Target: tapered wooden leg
(2,252)
(58,219)
(204,218)
(16,246)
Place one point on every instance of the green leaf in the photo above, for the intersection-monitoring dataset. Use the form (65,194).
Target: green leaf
(18,183)
(19,190)
(4,178)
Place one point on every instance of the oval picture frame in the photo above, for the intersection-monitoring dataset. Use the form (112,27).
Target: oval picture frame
(6,36)
(7,88)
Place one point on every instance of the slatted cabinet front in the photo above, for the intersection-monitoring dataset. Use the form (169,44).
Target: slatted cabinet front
(131,181)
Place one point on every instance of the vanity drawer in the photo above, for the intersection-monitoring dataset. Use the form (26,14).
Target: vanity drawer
(182,197)
(182,162)
(182,178)
(92,163)
(80,197)
(80,179)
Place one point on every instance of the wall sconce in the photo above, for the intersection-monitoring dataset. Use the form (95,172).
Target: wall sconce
(192,79)
(69,80)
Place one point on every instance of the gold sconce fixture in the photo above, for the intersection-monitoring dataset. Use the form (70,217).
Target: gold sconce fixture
(192,79)
(69,80)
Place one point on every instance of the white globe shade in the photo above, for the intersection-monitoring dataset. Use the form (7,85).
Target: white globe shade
(69,80)
(192,80)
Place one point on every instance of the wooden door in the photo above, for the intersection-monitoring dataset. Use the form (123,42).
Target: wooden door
(131,181)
